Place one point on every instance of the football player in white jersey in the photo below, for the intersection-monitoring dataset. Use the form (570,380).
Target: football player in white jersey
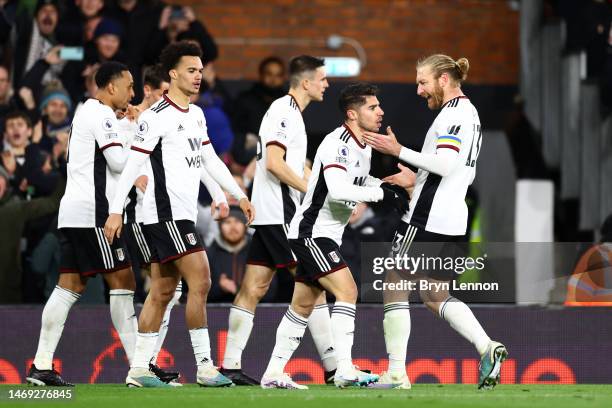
(438,214)
(280,179)
(339,180)
(173,134)
(154,86)
(95,159)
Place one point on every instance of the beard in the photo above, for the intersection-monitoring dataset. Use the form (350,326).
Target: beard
(437,97)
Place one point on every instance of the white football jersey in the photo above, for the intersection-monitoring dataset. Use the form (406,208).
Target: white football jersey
(133,206)
(283,125)
(90,186)
(319,216)
(173,137)
(438,203)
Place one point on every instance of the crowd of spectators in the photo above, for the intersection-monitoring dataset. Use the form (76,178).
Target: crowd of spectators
(49,53)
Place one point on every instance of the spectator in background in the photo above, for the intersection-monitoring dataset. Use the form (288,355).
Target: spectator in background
(14,213)
(178,23)
(213,100)
(140,20)
(227,257)
(80,22)
(251,106)
(10,102)
(30,168)
(55,107)
(33,39)
(104,47)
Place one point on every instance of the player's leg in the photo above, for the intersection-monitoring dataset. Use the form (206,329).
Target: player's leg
(397,322)
(195,270)
(268,248)
(121,298)
(341,284)
(164,279)
(140,252)
(67,291)
(320,327)
(166,376)
(254,286)
(289,335)
(460,317)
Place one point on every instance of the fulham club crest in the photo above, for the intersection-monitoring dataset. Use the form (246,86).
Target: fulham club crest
(191,238)
(120,254)
(333,255)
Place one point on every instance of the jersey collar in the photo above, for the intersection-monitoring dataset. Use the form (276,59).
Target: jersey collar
(165,96)
(348,129)
(455,98)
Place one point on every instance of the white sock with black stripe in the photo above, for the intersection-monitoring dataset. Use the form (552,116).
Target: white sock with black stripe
(343,330)
(240,324)
(397,326)
(124,319)
(200,341)
(163,329)
(461,318)
(288,337)
(143,352)
(52,325)
(319,324)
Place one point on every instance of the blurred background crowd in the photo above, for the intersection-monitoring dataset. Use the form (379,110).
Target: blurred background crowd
(49,53)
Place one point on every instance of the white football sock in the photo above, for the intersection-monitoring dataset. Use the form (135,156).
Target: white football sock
(124,319)
(343,330)
(201,346)
(143,353)
(240,324)
(396,326)
(163,329)
(288,337)
(53,318)
(319,324)
(461,318)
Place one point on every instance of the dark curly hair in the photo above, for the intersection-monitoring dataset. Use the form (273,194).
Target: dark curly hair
(172,54)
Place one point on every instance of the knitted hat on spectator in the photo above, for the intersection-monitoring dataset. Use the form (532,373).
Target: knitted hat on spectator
(42,3)
(55,92)
(108,26)
(237,213)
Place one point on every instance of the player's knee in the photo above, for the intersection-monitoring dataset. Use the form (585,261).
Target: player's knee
(348,294)
(200,289)
(302,307)
(161,296)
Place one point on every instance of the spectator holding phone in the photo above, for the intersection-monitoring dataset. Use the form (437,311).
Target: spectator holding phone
(178,23)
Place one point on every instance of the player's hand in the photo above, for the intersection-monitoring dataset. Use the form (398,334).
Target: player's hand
(248,210)
(112,227)
(386,144)
(141,183)
(406,178)
(133,112)
(396,197)
(227,285)
(219,211)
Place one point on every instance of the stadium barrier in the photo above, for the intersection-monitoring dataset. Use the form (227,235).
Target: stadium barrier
(547,346)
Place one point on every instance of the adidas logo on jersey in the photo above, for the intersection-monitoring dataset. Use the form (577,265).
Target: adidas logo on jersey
(329,350)
(357,164)
(180,128)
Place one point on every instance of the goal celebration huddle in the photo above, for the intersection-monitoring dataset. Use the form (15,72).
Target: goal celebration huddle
(133,177)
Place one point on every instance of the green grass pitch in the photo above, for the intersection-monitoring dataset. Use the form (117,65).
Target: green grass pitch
(421,395)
